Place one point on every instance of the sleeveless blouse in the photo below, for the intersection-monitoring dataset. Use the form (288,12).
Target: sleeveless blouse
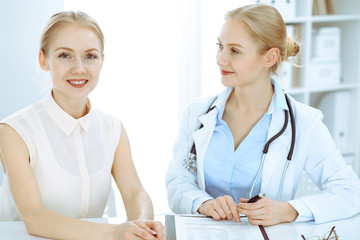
(71,159)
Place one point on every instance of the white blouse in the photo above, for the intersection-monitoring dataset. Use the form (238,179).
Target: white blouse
(71,158)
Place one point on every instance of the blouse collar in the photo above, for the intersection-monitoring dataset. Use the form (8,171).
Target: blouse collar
(278,100)
(64,121)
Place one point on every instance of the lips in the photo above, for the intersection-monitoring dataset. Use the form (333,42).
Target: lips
(225,73)
(77,83)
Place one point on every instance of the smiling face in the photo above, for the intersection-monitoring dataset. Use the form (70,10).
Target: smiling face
(238,56)
(74,59)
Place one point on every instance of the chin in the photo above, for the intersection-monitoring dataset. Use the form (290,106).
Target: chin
(227,82)
(80,93)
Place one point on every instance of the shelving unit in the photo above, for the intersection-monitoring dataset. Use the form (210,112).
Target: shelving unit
(347,18)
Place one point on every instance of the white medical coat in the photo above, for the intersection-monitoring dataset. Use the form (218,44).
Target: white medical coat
(315,153)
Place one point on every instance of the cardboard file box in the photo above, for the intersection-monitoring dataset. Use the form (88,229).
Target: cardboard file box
(326,42)
(325,72)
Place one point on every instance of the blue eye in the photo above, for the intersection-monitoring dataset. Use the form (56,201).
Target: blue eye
(234,51)
(91,56)
(63,55)
(220,45)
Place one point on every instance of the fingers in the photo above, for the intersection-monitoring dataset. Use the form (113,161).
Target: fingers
(158,228)
(256,222)
(243,200)
(232,207)
(254,211)
(138,230)
(266,211)
(221,208)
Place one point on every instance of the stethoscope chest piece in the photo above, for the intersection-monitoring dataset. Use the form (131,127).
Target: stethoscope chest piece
(190,163)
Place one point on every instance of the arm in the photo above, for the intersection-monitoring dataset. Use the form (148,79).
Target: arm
(27,197)
(340,196)
(326,167)
(183,192)
(137,202)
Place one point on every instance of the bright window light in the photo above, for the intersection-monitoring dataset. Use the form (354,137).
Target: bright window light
(139,82)
(143,81)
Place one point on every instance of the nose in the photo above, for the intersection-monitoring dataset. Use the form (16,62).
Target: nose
(222,58)
(79,67)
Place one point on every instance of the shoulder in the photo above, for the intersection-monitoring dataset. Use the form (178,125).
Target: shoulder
(6,132)
(111,124)
(22,122)
(9,138)
(106,118)
(304,114)
(25,113)
(199,105)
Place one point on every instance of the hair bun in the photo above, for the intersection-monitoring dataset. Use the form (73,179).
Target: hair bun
(292,47)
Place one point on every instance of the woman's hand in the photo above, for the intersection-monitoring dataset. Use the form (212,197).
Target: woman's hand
(138,229)
(267,211)
(220,208)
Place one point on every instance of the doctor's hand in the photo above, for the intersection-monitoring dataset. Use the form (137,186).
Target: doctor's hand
(267,211)
(220,208)
(140,229)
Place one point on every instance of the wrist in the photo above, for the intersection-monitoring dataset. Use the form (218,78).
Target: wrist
(109,231)
(202,206)
(291,213)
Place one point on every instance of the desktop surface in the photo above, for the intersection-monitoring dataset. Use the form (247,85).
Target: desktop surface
(347,229)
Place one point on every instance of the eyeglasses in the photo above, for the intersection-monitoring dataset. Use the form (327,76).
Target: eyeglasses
(331,235)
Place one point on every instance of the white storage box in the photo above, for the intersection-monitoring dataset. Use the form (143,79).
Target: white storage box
(326,42)
(287,8)
(325,71)
(336,106)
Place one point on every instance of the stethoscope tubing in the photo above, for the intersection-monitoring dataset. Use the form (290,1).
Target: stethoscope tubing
(192,152)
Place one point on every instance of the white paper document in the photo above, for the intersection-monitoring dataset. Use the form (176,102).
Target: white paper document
(204,228)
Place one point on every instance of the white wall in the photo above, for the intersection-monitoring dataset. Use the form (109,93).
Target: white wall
(139,82)
(21,24)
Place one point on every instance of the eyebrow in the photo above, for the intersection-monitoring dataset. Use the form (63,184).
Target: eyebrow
(232,44)
(71,50)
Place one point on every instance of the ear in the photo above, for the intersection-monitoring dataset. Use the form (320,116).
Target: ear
(42,61)
(271,57)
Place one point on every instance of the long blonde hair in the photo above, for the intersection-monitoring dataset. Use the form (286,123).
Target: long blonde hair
(268,29)
(68,17)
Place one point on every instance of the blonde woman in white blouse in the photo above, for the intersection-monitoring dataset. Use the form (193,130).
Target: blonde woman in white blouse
(59,153)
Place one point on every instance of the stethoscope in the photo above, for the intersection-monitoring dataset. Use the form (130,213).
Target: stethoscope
(190,161)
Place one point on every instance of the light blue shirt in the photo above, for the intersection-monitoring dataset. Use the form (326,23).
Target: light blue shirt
(229,172)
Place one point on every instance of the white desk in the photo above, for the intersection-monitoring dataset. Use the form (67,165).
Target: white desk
(347,229)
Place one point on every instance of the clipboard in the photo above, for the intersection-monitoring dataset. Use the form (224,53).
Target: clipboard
(171,228)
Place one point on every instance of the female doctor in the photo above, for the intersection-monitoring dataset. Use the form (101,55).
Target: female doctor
(229,134)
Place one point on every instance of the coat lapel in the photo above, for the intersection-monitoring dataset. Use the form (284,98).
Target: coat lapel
(202,138)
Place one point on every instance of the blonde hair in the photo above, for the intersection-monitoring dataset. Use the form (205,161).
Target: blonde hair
(268,29)
(61,19)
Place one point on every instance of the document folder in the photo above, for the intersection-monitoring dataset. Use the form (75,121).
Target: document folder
(198,227)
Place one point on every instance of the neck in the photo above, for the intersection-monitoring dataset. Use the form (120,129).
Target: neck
(252,97)
(75,108)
